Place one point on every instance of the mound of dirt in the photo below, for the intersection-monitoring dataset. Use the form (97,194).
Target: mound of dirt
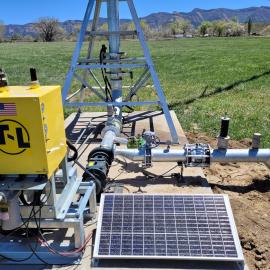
(248,186)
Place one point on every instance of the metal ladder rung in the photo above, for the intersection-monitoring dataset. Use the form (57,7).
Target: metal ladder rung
(106,33)
(111,66)
(108,61)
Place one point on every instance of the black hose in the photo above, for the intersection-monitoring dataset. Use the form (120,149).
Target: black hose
(23,200)
(74,149)
(36,199)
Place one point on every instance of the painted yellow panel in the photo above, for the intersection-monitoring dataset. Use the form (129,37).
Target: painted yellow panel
(32,134)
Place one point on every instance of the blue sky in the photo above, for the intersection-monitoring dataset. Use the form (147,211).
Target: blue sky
(24,11)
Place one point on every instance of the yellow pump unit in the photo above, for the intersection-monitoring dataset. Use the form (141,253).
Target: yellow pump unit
(32,133)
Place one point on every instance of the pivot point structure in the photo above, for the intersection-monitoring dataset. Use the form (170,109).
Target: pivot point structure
(114,64)
(43,186)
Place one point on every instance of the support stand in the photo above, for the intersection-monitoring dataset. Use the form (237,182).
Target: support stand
(68,202)
(114,66)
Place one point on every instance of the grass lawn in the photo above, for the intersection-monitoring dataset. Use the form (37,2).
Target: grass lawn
(203,79)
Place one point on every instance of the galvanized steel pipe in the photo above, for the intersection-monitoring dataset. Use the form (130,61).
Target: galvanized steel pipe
(217,155)
(158,155)
(241,155)
(108,140)
(114,49)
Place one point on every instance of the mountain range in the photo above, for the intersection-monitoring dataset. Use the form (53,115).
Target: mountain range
(155,20)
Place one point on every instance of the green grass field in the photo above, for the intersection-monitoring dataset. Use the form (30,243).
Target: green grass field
(203,79)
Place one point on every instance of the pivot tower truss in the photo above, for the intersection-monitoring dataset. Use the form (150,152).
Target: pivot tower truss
(114,64)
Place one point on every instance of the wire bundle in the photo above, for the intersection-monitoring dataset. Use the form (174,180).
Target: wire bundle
(39,236)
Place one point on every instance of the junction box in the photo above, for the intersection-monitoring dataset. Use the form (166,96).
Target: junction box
(32,133)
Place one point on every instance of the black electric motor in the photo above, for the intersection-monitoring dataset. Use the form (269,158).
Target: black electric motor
(97,169)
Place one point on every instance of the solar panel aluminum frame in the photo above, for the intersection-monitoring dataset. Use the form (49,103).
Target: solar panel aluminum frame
(238,259)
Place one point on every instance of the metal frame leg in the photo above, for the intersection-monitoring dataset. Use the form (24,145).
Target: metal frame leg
(79,235)
(156,81)
(77,51)
(91,43)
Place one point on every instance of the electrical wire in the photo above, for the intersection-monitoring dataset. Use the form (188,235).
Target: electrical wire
(26,225)
(45,242)
(28,219)
(18,260)
(34,250)
(165,174)
(42,240)
(88,145)
(108,87)
(74,149)
(113,185)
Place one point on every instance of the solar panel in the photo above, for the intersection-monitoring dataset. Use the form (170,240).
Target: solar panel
(197,227)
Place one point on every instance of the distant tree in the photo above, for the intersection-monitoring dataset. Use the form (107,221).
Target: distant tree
(249,26)
(2,31)
(28,38)
(49,29)
(104,27)
(222,28)
(205,27)
(16,37)
(125,27)
(219,28)
(145,27)
(174,28)
(185,26)
(74,32)
(234,29)
(179,26)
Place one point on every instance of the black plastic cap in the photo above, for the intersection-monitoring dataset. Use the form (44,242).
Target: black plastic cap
(3,78)
(224,129)
(33,74)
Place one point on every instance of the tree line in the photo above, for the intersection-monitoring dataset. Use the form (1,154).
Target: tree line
(49,29)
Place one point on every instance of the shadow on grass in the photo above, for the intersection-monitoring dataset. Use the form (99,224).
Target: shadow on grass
(218,90)
(260,185)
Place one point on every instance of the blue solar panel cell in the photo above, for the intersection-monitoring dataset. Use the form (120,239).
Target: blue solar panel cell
(175,226)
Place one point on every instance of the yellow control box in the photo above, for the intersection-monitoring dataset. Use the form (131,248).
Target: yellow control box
(32,133)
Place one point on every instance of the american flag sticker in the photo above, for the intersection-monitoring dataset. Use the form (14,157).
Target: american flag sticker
(8,109)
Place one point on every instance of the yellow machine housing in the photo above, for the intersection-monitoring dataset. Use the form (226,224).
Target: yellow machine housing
(32,133)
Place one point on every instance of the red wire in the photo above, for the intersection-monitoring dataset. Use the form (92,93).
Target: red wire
(66,253)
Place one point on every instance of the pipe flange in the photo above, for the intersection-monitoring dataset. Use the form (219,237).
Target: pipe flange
(102,153)
(113,129)
(113,125)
